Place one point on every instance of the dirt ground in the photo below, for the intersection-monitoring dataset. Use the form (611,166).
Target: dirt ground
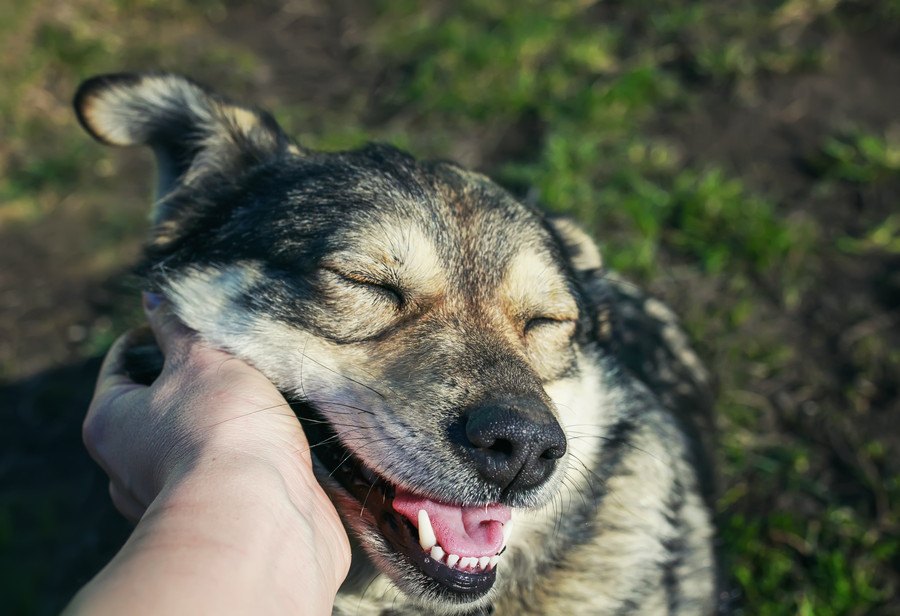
(770,136)
(61,304)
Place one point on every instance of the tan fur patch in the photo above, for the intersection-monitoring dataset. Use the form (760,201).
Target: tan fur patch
(532,287)
(536,299)
(586,254)
(244,120)
(399,254)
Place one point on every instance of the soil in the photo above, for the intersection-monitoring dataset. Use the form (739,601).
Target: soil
(770,138)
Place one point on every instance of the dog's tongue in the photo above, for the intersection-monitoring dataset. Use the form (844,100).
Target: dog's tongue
(464,531)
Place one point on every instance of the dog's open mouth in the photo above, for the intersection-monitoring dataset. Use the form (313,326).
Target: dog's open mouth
(455,545)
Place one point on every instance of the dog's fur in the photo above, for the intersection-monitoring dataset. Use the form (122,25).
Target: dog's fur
(387,297)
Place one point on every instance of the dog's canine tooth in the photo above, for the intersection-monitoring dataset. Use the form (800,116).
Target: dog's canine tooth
(483,561)
(507,532)
(437,553)
(493,562)
(452,559)
(427,538)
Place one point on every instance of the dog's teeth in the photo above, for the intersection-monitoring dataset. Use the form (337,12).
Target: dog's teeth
(483,561)
(437,553)
(452,560)
(427,538)
(507,532)
(467,562)
(493,562)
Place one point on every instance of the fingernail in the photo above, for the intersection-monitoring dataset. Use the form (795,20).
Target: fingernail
(151,301)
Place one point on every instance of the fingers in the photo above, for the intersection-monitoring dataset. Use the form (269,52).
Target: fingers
(125,503)
(112,371)
(109,396)
(172,336)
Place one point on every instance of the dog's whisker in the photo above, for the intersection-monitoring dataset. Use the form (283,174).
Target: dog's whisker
(340,464)
(302,363)
(331,404)
(320,422)
(617,441)
(365,501)
(586,478)
(344,376)
(387,470)
(253,412)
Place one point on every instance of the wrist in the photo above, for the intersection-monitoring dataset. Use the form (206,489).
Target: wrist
(225,538)
(267,499)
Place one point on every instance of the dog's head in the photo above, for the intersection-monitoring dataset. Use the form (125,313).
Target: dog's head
(431,329)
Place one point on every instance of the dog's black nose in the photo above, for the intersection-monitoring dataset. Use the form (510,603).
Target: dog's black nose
(514,443)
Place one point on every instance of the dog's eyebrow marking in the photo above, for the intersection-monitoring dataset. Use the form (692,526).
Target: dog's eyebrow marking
(532,285)
(399,253)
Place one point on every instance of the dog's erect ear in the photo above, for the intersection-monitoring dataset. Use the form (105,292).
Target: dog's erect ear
(585,258)
(194,133)
(580,248)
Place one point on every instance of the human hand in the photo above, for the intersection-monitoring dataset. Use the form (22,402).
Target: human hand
(208,419)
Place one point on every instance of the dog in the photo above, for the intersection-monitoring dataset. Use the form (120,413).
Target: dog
(503,426)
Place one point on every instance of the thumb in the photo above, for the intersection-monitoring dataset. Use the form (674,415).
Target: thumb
(173,337)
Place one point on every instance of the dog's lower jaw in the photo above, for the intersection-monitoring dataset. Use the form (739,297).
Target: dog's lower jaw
(380,577)
(381,517)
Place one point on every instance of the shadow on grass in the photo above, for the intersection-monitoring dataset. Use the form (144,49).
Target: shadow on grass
(57,524)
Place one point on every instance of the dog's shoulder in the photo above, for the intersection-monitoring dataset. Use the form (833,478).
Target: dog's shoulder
(648,340)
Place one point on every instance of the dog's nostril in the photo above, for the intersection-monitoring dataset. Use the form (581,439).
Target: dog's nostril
(553,453)
(503,446)
(513,443)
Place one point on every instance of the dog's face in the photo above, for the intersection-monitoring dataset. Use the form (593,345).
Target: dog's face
(429,327)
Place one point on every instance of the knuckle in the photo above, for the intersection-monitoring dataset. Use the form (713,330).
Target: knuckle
(92,430)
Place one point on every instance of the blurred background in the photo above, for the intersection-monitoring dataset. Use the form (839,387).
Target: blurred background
(740,159)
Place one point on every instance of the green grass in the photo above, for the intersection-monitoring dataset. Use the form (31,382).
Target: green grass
(596,79)
(860,158)
(593,88)
(596,86)
(883,237)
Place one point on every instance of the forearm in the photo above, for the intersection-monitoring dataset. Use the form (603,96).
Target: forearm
(227,539)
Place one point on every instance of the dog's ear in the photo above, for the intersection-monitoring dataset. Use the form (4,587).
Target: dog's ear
(195,134)
(581,250)
(584,256)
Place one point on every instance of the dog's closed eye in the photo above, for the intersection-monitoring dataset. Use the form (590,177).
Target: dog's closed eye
(542,322)
(383,288)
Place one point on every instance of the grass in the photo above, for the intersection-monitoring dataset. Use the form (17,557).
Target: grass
(809,527)
(860,158)
(883,237)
